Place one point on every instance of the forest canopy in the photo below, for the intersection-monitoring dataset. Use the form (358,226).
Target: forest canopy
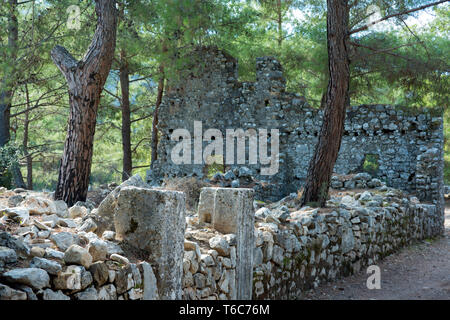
(403,61)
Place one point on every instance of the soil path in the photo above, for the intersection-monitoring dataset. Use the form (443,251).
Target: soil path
(420,271)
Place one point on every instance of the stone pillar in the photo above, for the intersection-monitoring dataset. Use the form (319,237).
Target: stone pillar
(231,211)
(153,222)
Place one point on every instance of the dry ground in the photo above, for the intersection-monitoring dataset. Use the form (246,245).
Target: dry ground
(421,271)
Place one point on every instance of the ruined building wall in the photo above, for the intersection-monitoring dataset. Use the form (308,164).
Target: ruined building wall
(407,143)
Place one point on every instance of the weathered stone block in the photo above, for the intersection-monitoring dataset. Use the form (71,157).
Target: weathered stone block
(231,211)
(154,221)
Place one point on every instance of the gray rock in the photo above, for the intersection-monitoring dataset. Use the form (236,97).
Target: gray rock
(374,183)
(124,280)
(39,205)
(109,235)
(229,175)
(7,293)
(221,245)
(19,214)
(282,213)
(7,255)
(107,292)
(348,241)
(153,221)
(78,255)
(366,196)
(88,226)
(52,267)
(32,277)
(15,200)
(62,210)
(6,240)
(30,294)
(100,273)
(53,254)
(73,278)
(363,176)
(63,240)
(149,281)
(262,213)
(88,294)
(107,206)
(98,250)
(49,294)
(244,172)
(78,212)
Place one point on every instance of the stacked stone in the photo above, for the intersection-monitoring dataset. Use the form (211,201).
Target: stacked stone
(210,273)
(314,247)
(61,253)
(358,181)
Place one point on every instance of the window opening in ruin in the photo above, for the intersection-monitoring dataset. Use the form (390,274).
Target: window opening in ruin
(371,164)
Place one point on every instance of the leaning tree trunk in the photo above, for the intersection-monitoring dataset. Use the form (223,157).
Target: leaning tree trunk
(85,79)
(337,98)
(126,118)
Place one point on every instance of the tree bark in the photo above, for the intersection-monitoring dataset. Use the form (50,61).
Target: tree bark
(85,79)
(6,85)
(28,157)
(155,116)
(337,99)
(280,23)
(126,118)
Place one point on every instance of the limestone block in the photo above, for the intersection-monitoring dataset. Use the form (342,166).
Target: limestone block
(154,221)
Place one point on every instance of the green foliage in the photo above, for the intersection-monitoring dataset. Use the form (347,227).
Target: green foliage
(371,164)
(398,65)
(9,157)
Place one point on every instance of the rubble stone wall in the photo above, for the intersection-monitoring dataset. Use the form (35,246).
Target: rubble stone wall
(308,247)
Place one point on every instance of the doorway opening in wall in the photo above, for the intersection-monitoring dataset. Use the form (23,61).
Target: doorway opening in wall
(214,164)
(371,164)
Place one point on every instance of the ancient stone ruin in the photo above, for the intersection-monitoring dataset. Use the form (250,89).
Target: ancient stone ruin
(144,243)
(405,143)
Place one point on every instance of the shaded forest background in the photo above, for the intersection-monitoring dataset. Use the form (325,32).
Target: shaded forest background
(402,62)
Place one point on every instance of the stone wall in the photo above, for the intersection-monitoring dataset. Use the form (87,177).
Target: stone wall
(407,143)
(152,248)
(298,250)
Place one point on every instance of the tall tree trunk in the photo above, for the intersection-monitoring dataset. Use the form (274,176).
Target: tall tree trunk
(156,115)
(28,157)
(126,118)
(85,79)
(337,99)
(6,85)
(280,23)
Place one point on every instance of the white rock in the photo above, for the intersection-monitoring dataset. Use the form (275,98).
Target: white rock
(98,250)
(220,245)
(109,235)
(78,212)
(120,259)
(78,255)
